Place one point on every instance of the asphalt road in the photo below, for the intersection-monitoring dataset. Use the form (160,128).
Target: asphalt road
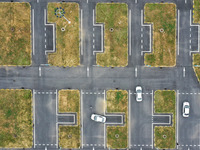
(91,78)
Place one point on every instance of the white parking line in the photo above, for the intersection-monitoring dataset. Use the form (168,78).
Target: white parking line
(130,32)
(40,71)
(148,25)
(34,116)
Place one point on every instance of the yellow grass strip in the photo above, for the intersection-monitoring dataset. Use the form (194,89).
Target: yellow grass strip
(69,102)
(15,34)
(114,17)
(117,102)
(196,11)
(67,42)
(16,124)
(196,65)
(163,18)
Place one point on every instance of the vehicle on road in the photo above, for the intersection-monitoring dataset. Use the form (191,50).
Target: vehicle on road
(138,93)
(98,118)
(186,109)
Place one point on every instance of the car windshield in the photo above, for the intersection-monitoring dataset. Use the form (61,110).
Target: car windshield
(95,118)
(139,91)
(187,110)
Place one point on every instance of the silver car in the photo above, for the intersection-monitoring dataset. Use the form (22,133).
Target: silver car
(186,109)
(98,118)
(138,93)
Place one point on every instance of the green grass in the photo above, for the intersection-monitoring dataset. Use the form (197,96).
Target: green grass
(162,16)
(165,102)
(117,102)
(196,11)
(69,101)
(16,119)
(67,42)
(113,16)
(15,34)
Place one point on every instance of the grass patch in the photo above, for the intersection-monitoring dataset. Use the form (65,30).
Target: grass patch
(196,11)
(165,102)
(163,17)
(69,101)
(16,119)
(15,34)
(196,65)
(67,42)
(117,102)
(114,16)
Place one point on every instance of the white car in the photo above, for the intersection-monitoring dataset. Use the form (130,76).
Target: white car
(138,93)
(186,109)
(98,118)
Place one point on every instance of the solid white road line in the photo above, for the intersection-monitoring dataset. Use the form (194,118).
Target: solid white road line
(135,71)
(178,29)
(104,95)
(88,73)
(34,116)
(56,102)
(185,1)
(183,71)
(81,119)
(38,1)
(152,115)
(81,32)
(56,118)
(40,71)
(130,32)
(177,116)
(33,32)
(129,114)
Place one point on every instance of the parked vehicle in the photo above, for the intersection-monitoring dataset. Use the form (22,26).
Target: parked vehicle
(98,118)
(186,109)
(138,93)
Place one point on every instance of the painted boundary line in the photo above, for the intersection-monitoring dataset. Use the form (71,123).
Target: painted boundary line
(54,40)
(146,25)
(81,120)
(177,117)
(33,26)
(57,118)
(194,25)
(102,34)
(34,117)
(129,122)
(130,33)
(81,32)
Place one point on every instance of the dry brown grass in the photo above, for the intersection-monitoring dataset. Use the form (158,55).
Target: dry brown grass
(165,102)
(117,102)
(67,42)
(163,16)
(196,11)
(15,34)
(196,65)
(16,119)
(116,42)
(69,101)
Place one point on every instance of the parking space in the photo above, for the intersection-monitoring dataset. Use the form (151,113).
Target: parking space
(45,134)
(141,121)
(189,128)
(93,132)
